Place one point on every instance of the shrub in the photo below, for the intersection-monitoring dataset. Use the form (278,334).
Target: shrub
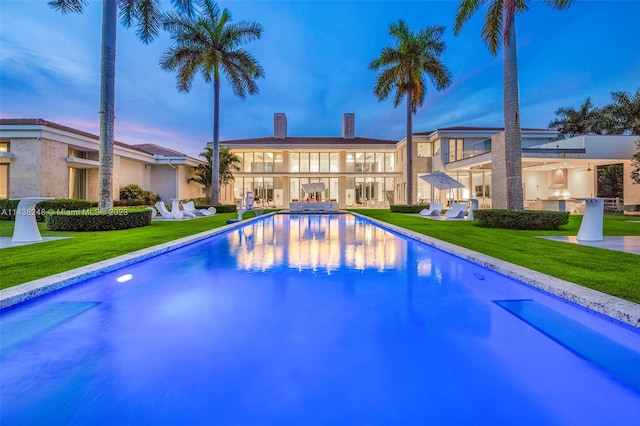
(93,220)
(134,195)
(220,208)
(8,207)
(524,220)
(401,208)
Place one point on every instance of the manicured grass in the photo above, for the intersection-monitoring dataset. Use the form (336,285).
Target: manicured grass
(612,272)
(26,263)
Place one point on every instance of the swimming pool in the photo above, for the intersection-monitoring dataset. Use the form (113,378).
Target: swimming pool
(312,319)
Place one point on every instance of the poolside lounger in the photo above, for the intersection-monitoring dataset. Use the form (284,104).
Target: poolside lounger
(191,208)
(457,211)
(433,210)
(166,214)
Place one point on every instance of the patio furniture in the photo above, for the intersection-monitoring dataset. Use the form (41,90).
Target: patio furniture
(473,206)
(457,211)
(433,210)
(26,228)
(591,226)
(191,208)
(166,214)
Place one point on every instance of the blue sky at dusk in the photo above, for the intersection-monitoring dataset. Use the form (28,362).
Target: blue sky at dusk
(315,55)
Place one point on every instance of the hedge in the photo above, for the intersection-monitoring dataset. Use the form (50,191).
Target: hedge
(413,208)
(94,220)
(220,208)
(521,220)
(8,207)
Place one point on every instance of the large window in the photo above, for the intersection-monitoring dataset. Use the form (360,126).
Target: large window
(77,183)
(4,172)
(297,193)
(314,162)
(424,150)
(260,162)
(4,181)
(389,162)
(456,150)
(369,162)
(262,187)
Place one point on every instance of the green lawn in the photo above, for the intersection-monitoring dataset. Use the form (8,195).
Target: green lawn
(608,271)
(611,272)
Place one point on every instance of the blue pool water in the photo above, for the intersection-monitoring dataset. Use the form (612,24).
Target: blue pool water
(312,320)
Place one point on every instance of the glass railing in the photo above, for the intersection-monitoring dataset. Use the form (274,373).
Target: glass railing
(561,143)
(473,150)
(484,146)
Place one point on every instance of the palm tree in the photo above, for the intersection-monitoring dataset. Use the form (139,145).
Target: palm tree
(210,44)
(145,16)
(626,109)
(403,69)
(229,163)
(586,119)
(500,26)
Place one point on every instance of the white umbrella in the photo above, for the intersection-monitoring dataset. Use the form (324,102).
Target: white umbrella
(310,188)
(441,181)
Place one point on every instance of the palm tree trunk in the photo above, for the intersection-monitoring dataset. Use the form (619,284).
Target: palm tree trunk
(215,164)
(513,133)
(409,150)
(107,103)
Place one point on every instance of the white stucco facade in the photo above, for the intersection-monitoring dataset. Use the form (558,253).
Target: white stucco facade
(50,160)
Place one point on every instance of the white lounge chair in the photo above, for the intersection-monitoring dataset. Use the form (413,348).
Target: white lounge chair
(178,214)
(457,211)
(191,208)
(433,210)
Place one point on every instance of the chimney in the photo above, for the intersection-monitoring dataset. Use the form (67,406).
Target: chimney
(279,125)
(349,125)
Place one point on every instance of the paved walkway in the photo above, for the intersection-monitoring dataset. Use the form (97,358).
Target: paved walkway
(626,244)
(5,242)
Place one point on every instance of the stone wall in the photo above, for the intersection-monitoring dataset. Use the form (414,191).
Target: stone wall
(631,190)
(498,172)
(54,172)
(24,169)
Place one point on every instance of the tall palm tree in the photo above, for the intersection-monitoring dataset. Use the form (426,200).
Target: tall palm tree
(145,15)
(500,27)
(403,68)
(229,163)
(210,43)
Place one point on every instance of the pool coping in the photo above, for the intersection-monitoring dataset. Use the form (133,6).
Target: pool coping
(610,306)
(613,307)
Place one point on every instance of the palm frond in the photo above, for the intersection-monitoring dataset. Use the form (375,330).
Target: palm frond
(493,26)
(559,4)
(127,12)
(243,32)
(466,9)
(148,19)
(385,83)
(184,7)
(68,6)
